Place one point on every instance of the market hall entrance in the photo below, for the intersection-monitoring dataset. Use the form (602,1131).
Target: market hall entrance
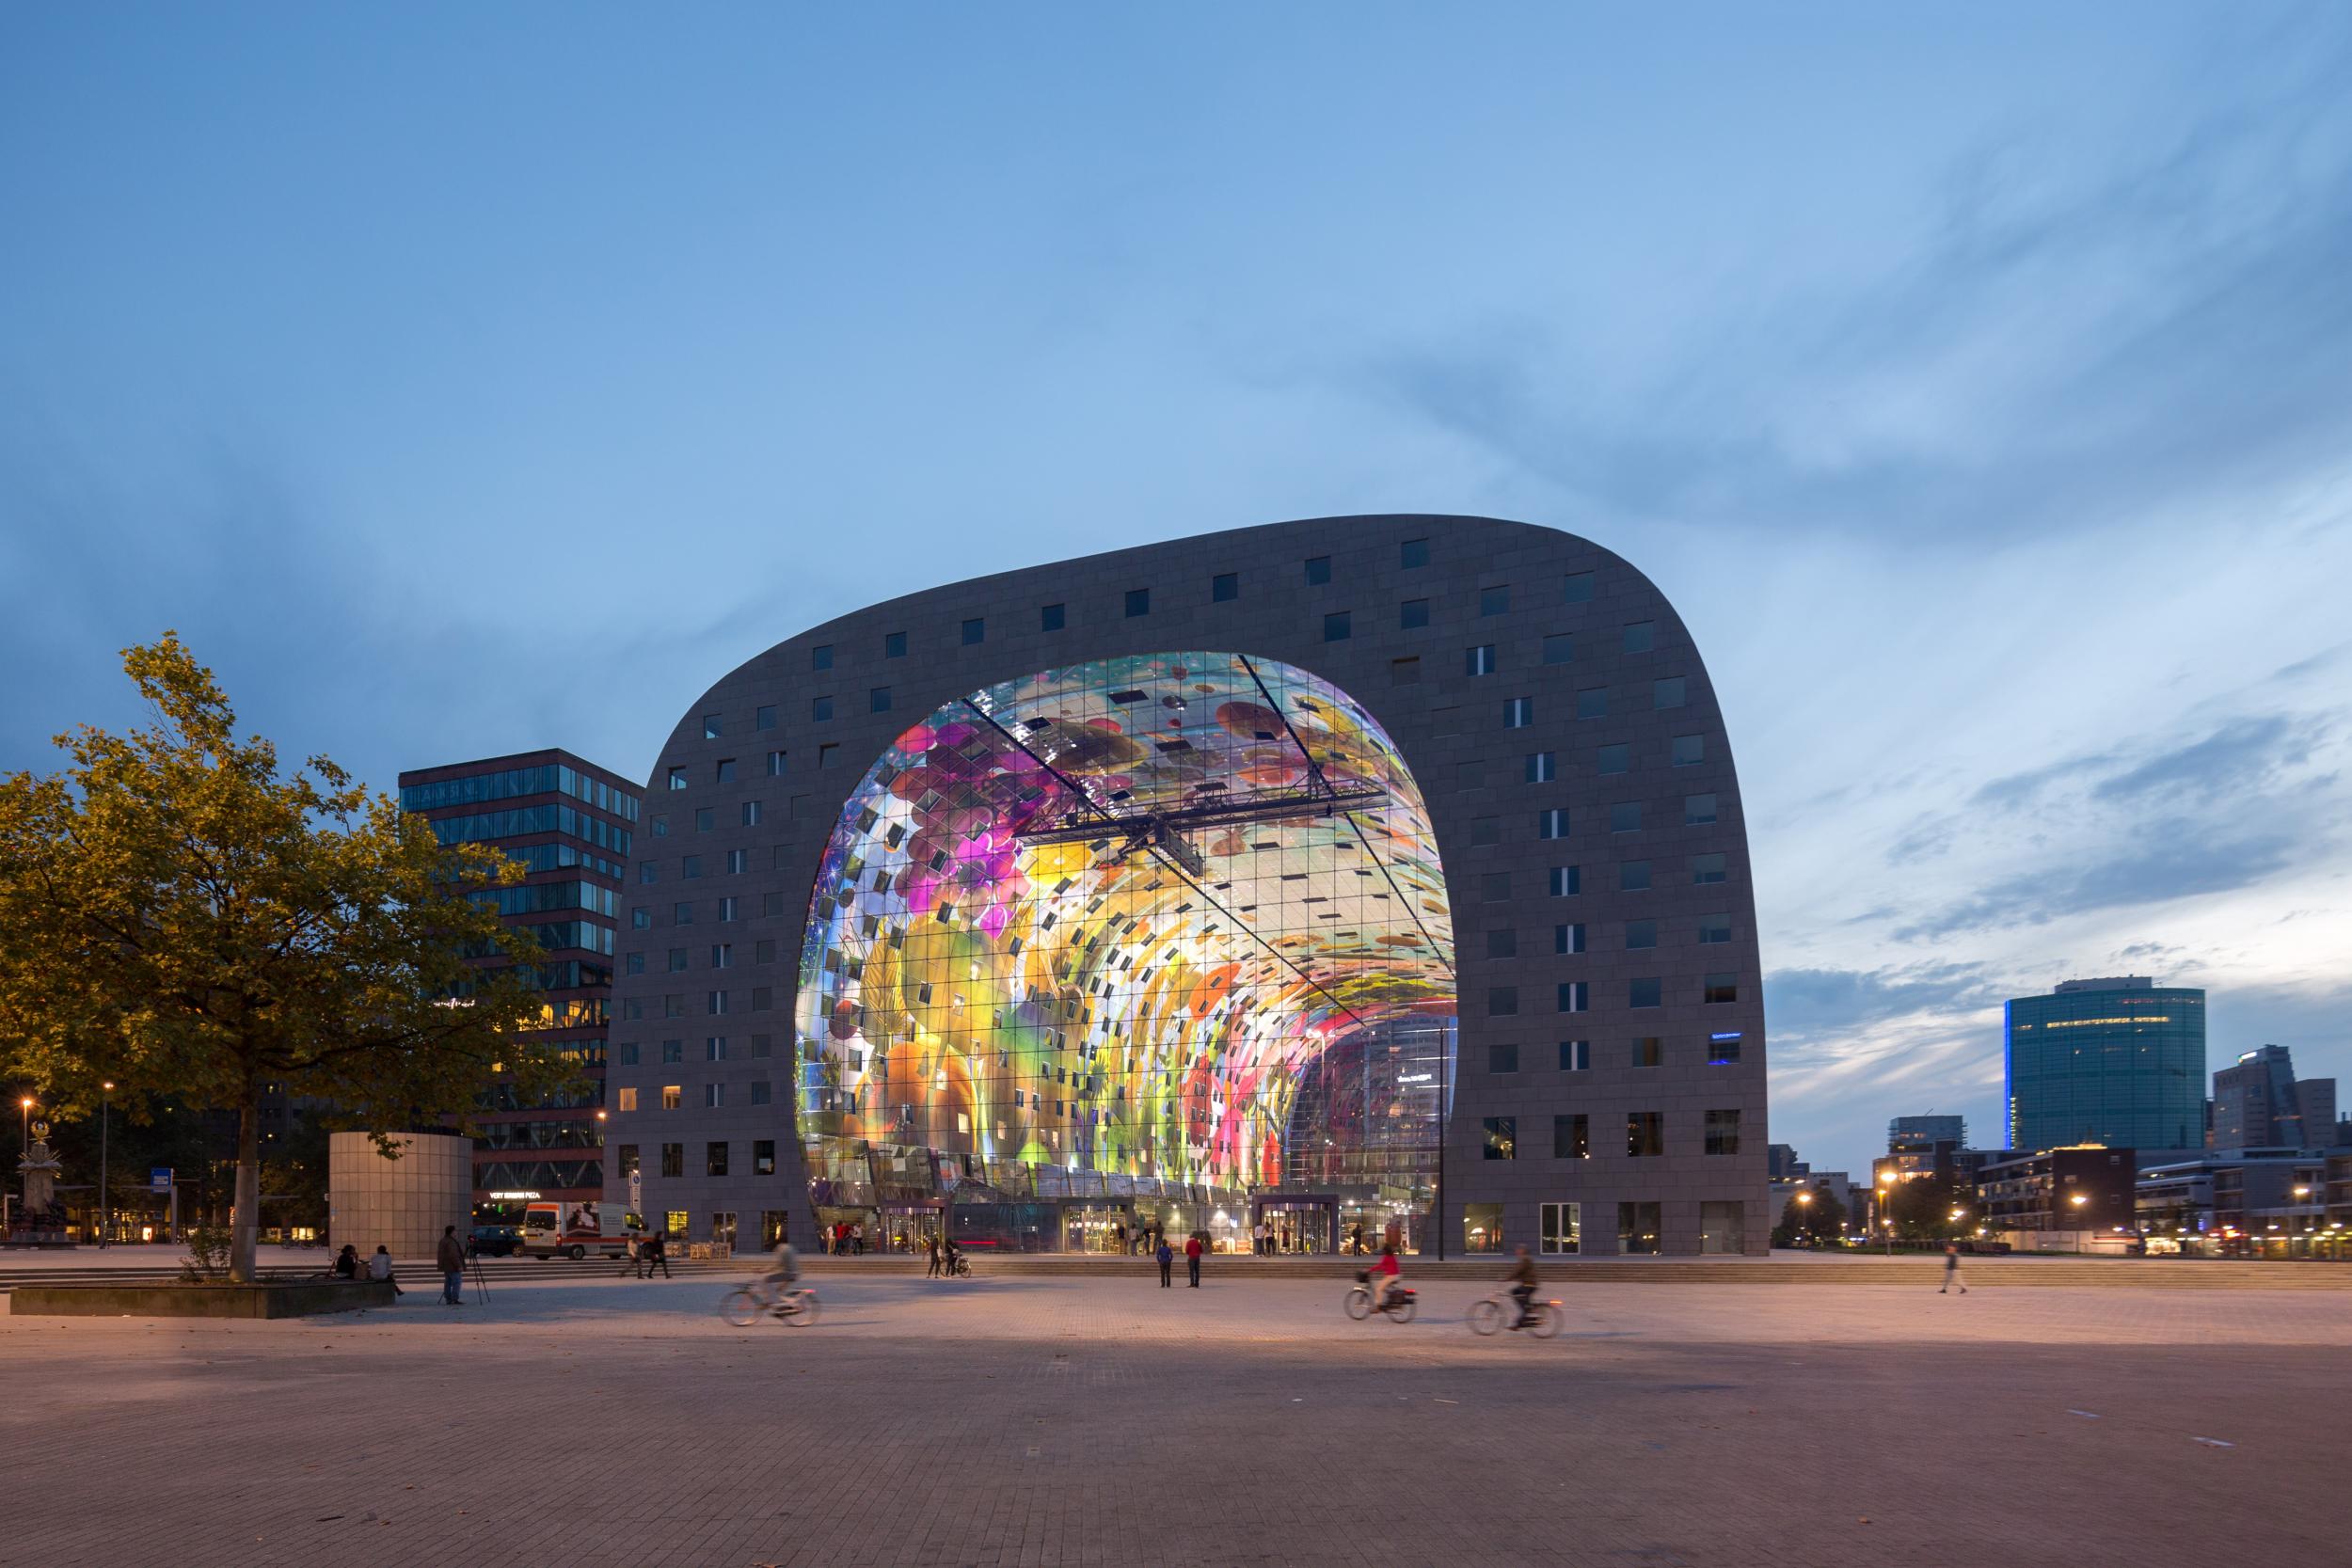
(1307,1222)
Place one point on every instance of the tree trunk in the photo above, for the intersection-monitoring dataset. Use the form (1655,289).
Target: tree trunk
(246,1219)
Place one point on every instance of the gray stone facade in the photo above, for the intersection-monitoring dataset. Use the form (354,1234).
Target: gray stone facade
(1643,689)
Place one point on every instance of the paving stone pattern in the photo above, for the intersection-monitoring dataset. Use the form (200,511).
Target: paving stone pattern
(1049,1421)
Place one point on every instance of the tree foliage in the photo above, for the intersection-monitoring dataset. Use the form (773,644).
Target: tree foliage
(183,921)
(1822,1221)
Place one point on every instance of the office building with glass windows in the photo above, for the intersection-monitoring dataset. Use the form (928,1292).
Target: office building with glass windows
(1358,878)
(2118,1061)
(572,826)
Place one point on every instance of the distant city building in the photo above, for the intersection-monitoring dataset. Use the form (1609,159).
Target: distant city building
(2262,1202)
(2259,1104)
(2039,1191)
(1925,1132)
(570,823)
(2118,1061)
(1780,1161)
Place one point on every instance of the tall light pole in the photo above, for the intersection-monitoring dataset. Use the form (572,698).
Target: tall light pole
(1887,1201)
(105,1204)
(2078,1199)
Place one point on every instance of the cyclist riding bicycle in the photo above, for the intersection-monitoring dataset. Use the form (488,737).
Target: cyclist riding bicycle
(950,1255)
(1522,1278)
(1386,1276)
(783,1272)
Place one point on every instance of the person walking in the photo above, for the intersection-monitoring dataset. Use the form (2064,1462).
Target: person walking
(1356,1241)
(657,1254)
(1192,1259)
(930,1240)
(450,1257)
(380,1267)
(1167,1255)
(1951,1270)
(628,1257)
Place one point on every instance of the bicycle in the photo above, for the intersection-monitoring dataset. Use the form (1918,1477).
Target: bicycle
(1399,1308)
(1544,1317)
(957,1267)
(746,1305)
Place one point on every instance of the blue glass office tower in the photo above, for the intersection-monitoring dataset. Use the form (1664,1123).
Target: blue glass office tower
(2119,1061)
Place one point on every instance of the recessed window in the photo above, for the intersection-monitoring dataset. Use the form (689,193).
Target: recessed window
(673,1155)
(673,1052)
(1224,587)
(820,657)
(1139,602)
(1575,996)
(894,644)
(764,718)
(1667,693)
(1722,1048)
(1552,822)
(1559,648)
(1542,766)
(1485,831)
(1722,988)
(1613,759)
(727,906)
(1502,1056)
(715,1048)
(1412,614)
(710,726)
(1568,938)
(715,1155)
(975,630)
(1690,750)
(1503,944)
(825,759)
(1494,887)
(1479,660)
(723,772)
(1503,1138)
(1648,991)
(775,764)
(1571,1139)
(759,1097)
(1649,1051)
(629,1097)
(641,918)
(1049,617)
(648,872)
(677,960)
(1625,816)
(1502,1001)
(1576,587)
(820,708)
(1698,810)
(1723,1132)
(1413,553)
(1576,1055)
(738,862)
(662,827)
(1632,875)
(750,814)
(705,818)
(1494,601)
(677,778)
(673,1096)
(1566,880)
(1714,928)
(877,700)
(1318,570)
(1706,868)
(1469,775)
(1593,703)
(1336,627)
(691,866)
(1640,636)
(1645,1135)
(1640,933)
(1404,672)
(1517,712)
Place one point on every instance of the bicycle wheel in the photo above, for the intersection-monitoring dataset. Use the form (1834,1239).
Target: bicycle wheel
(1547,1321)
(741,1307)
(804,1310)
(1359,1303)
(1485,1316)
(1402,1311)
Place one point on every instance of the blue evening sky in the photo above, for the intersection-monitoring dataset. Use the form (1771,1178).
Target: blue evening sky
(1977,380)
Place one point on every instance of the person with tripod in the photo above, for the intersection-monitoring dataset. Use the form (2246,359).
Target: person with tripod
(451,1258)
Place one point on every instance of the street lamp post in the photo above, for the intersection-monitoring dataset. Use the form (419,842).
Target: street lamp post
(105,1204)
(1887,1201)
(2078,1199)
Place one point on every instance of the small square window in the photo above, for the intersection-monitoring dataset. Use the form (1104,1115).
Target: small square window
(1318,570)
(1552,822)
(641,918)
(1632,875)
(646,872)
(1706,868)
(1593,703)
(677,960)
(628,1054)
(628,1099)
(1503,944)
(1225,587)
(1667,693)
(1479,660)
(750,814)
(673,1051)
(759,1095)
(1503,1138)
(727,906)
(738,862)
(1485,831)
(1723,1132)
(1566,880)
(1517,712)
(1559,648)
(775,764)
(705,818)
(1050,617)
(1494,887)
(1722,988)
(1568,938)
(1625,816)
(1576,1055)
(1613,759)
(691,866)
(1648,991)
(1714,928)
(677,778)
(1412,614)
(1690,749)
(1723,1049)
(1404,672)
(681,914)
(1640,933)
(1645,1137)
(1575,996)
(673,1098)
(1494,601)
(894,644)
(710,726)
(1576,587)
(1649,1051)
(1640,636)
(715,1049)
(1542,766)
(1502,1001)
(820,708)
(1571,1139)
(715,1155)
(975,631)
(1469,775)
(877,700)
(1413,553)
(635,963)
(1698,810)
(1139,602)
(1335,627)
(724,771)
(662,827)
(764,718)
(820,657)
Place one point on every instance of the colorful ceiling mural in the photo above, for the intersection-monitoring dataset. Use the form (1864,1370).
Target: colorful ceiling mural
(1101,919)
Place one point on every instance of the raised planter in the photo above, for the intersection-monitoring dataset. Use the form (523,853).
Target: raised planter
(290,1298)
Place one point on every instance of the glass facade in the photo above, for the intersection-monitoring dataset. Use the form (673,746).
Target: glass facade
(508,782)
(2124,1067)
(1155,926)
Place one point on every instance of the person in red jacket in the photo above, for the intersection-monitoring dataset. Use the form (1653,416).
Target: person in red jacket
(1386,1276)
(1192,1259)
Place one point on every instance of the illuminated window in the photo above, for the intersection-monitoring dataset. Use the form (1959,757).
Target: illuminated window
(1562,1224)
(1503,1138)
(672,1096)
(764,1157)
(1722,1050)
(628,1098)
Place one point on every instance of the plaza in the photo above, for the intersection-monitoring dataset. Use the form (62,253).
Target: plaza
(1097,1418)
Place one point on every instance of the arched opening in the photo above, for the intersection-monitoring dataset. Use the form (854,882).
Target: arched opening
(1159,941)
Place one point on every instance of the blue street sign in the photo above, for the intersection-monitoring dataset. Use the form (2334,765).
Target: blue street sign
(159,1179)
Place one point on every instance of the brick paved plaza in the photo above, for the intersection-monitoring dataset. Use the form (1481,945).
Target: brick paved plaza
(1103,1421)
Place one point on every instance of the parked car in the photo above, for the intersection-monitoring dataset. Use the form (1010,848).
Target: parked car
(495,1241)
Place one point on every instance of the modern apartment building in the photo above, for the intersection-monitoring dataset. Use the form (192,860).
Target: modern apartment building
(2259,1104)
(2119,1061)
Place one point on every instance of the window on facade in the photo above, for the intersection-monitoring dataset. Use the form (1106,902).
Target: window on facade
(1542,766)
(1613,759)
(894,644)
(1632,875)
(1575,996)
(637,963)
(1593,703)
(673,1051)
(1503,1138)
(1714,928)
(1639,636)
(629,1100)
(772,905)
(1706,868)
(1502,1001)
(1667,693)
(1640,933)
(820,657)
(641,918)
(715,1002)
(775,762)
(1646,991)
(1723,1049)
(1479,660)
(1559,648)
(1562,1230)
(763,1156)
(762,1046)
(1645,1135)
(662,827)
(1552,822)
(1576,1055)
(1576,587)
(1698,810)
(1690,750)
(681,914)
(1050,617)
(1571,1137)
(1318,570)
(1648,1051)
(1139,602)
(1625,816)
(1224,587)
(1336,627)
(705,818)
(764,951)
(738,862)
(1568,939)
(677,960)
(1413,553)
(975,631)
(672,1096)
(1502,1056)
(1412,614)
(677,778)
(877,700)
(1638,1228)
(1723,1132)
(690,867)
(714,1157)
(624,1157)
(820,708)
(1723,988)
(1494,887)
(1566,880)
(1485,831)
(1503,944)
(714,1096)
(1404,672)
(1494,601)
(673,1159)
(1517,712)
(673,1006)
(715,1048)
(627,1057)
